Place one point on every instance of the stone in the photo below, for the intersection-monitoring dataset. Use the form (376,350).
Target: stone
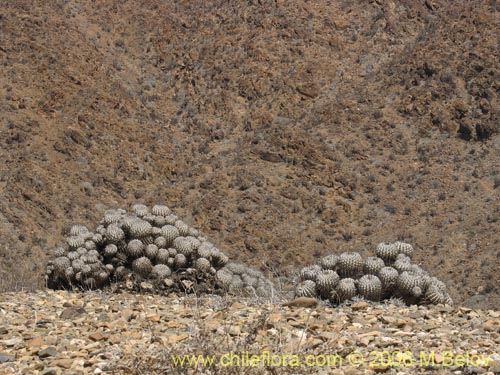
(71,313)
(12,342)
(48,352)
(63,363)
(492,326)
(6,357)
(174,339)
(302,302)
(98,336)
(360,305)
(35,342)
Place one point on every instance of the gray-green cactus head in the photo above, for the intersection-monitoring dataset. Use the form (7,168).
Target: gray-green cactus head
(350,264)
(346,290)
(142,266)
(326,282)
(373,265)
(329,262)
(370,287)
(310,272)
(387,251)
(306,288)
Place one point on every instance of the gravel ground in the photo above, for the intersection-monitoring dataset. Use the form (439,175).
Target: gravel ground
(58,332)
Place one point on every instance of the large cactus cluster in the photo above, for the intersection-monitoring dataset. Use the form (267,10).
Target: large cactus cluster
(147,245)
(389,274)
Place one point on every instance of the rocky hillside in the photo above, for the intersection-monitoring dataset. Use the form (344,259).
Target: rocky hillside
(284,130)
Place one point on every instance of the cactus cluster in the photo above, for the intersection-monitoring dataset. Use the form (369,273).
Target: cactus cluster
(389,274)
(151,245)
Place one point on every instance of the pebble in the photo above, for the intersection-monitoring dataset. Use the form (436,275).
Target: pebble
(48,352)
(72,312)
(6,358)
(302,302)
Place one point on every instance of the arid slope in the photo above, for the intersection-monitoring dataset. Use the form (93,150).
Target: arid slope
(284,130)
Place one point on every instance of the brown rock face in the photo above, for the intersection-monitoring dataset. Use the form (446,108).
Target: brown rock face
(282,130)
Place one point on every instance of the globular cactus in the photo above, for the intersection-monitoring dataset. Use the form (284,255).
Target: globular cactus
(90,245)
(114,233)
(436,295)
(346,289)
(73,255)
(158,222)
(236,268)
(111,217)
(160,210)
(404,248)
(171,219)
(59,252)
(183,246)
(389,277)
(162,256)
(370,287)
(170,233)
(195,243)
(151,251)
(410,284)
(82,251)
(219,259)
(150,218)
(306,288)
(142,266)
(326,282)
(119,259)
(140,209)
(135,248)
(249,280)
(203,265)
(60,264)
(329,262)
(110,268)
(373,265)
(110,250)
(97,238)
(77,264)
(205,250)
(161,242)
(69,273)
(90,282)
(402,263)
(140,229)
(236,285)
(75,242)
(172,252)
(350,264)
(387,251)
(121,272)
(182,227)
(310,272)
(224,277)
(180,261)
(78,230)
(161,271)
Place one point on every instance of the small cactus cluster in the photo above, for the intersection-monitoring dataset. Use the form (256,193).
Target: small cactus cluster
(147,245)
(389,274)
